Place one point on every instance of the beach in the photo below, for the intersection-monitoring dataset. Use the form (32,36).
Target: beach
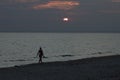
(96,68)
(22,48)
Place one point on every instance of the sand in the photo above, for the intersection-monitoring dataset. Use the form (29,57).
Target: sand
(102,68)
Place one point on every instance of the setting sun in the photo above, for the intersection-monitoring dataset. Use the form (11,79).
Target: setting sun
(65,19)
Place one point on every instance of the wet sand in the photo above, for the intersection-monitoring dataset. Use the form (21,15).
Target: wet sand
(102,68)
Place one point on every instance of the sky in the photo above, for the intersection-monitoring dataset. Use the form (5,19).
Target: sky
(47,15)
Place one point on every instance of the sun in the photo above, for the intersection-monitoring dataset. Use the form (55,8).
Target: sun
(65,19)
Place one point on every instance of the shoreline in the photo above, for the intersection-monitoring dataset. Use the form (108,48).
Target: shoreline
(60,61)
(63,62)
(96,68)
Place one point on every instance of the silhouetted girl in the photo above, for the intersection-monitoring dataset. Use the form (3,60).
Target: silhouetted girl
(40,54)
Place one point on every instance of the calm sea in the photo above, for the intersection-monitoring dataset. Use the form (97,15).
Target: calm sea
(21,48)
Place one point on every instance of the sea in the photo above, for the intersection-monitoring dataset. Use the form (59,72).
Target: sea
(21,48)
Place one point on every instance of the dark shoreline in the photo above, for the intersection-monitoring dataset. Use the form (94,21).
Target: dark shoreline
(96,68)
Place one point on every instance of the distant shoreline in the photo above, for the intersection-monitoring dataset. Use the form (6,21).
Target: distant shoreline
(58,32)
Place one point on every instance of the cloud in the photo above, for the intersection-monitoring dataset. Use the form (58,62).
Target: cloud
(25,1)
(115,0)
(63,5)
(16,1)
